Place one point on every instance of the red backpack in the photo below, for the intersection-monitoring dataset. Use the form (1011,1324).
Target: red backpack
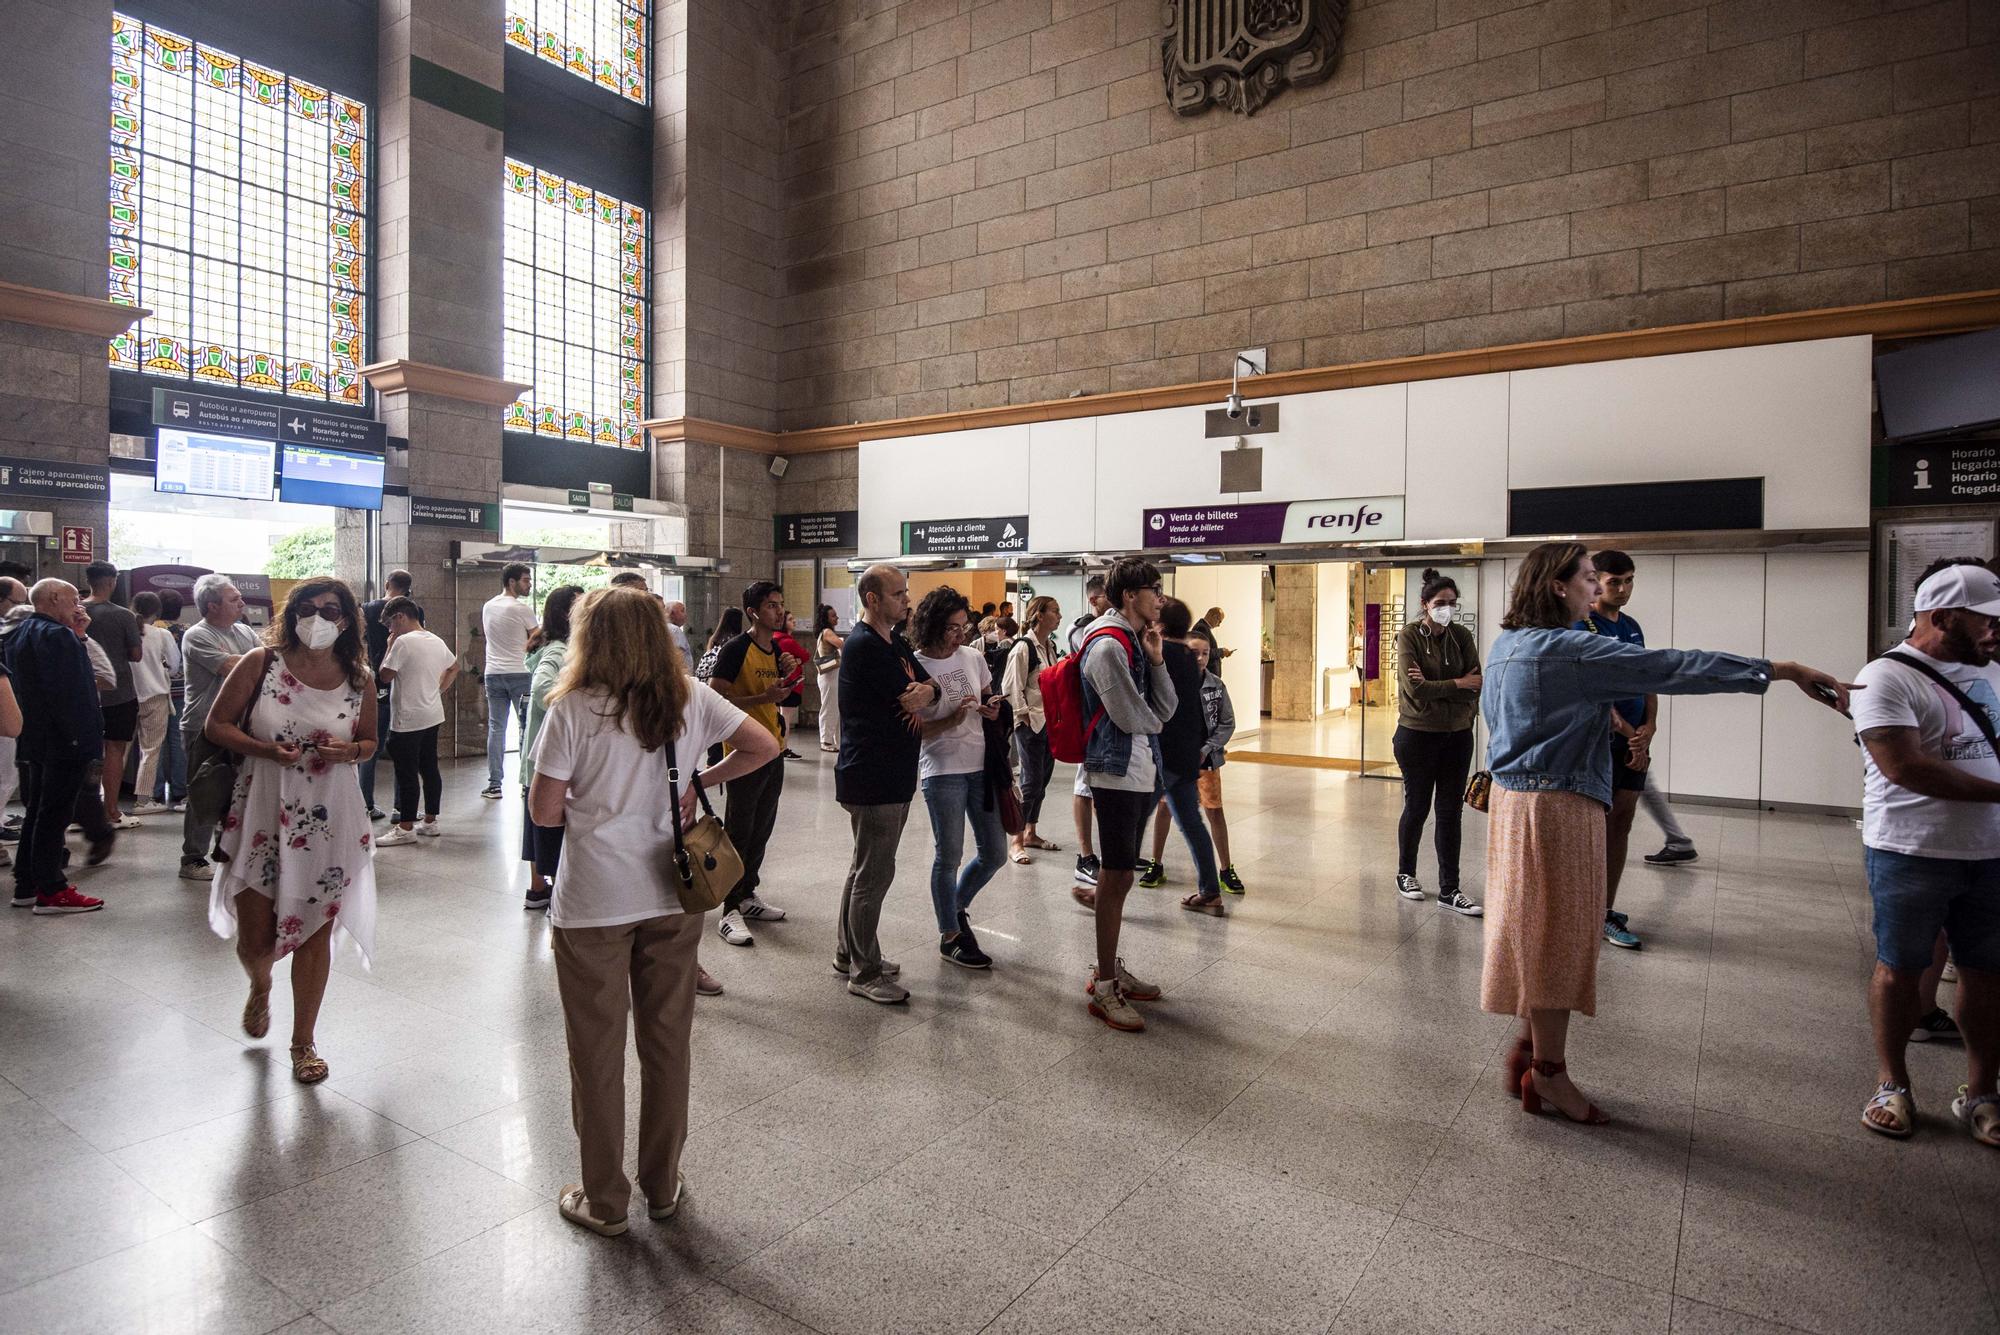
(1067,727)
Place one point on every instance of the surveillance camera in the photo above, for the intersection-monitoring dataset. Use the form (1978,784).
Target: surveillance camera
(1235,408)
(1255,419)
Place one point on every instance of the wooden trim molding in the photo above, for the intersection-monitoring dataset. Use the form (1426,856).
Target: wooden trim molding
(670,430)
(67,311)
(407,377)
(1953,313)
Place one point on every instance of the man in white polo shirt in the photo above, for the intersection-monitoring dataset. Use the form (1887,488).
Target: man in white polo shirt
(1931,827)
(506,621)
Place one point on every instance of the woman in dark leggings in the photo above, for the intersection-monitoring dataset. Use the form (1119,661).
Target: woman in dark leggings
(1437,697)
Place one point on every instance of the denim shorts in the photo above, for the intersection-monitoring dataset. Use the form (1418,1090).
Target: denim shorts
(1917,897)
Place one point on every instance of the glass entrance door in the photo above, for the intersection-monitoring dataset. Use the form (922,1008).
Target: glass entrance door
(1391,597)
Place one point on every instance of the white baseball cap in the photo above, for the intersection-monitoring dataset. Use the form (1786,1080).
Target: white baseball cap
(1974,588)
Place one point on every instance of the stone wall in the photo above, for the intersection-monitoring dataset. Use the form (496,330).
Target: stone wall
(992,203)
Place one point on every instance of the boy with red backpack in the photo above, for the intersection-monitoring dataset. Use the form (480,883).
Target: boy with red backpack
(1105,707)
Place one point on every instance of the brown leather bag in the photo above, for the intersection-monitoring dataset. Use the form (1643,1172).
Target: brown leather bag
(706,865)
(1479,790)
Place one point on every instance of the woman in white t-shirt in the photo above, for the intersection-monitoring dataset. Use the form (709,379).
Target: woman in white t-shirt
(953,770)
(622,942)
(419,669)
(152,676)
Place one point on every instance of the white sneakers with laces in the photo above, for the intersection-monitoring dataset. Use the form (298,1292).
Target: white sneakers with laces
(734,930)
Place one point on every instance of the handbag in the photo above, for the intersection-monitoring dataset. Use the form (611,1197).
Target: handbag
(212,786)
(1479,790)
(706,865)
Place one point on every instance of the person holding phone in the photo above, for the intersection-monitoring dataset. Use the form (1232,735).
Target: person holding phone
(299,843)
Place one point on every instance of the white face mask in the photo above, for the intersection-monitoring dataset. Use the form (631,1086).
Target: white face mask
(319,633)
(1442,615)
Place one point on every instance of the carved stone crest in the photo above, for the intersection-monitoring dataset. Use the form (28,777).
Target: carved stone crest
(1241,53)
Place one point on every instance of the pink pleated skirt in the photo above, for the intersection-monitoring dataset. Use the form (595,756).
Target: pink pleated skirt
(1544,902)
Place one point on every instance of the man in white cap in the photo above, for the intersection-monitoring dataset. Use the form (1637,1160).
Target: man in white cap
(1931,827)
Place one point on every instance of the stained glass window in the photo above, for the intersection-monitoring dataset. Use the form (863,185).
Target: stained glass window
(575,309)
(238,215)
(603,41)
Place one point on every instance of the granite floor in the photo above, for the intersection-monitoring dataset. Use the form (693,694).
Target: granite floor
(1309,1138)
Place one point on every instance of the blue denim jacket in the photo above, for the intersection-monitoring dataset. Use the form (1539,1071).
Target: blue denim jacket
(1548,696)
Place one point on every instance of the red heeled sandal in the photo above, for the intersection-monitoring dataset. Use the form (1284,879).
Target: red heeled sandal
(1518,1062)
(1531,1099)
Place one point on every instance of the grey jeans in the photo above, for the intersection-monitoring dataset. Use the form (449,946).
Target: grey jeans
(1656,806)
(877,831)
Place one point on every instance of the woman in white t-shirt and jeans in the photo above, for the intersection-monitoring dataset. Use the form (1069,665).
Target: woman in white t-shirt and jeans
(622,943)
(952,769)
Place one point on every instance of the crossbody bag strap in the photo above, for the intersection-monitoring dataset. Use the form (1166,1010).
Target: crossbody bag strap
(681,866)
(250,706)
(1965,702)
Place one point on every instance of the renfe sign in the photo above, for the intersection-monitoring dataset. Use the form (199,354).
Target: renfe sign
(1274,523)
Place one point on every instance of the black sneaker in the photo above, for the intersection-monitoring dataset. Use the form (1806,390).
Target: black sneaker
(1458,903)
(1152,875)
(535,903)
(1408,886)
(1668,856)
(491,790)
(1936,1025)
(1086,869)
(1232,884)
(376,813)
(963,951)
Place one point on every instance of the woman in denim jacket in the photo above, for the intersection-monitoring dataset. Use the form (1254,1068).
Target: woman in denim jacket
(1547,700)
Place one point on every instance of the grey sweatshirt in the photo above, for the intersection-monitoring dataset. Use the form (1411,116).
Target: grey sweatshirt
(1104,667)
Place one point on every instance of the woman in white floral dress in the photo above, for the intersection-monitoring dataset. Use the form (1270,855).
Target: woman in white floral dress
(300,847)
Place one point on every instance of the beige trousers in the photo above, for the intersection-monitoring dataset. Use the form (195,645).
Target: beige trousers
(152,733)
(647,968)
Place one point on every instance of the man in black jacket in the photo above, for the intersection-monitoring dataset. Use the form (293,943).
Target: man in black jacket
(62,733)
(1180,760)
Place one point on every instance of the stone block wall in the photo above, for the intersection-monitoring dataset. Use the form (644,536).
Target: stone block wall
(991,202)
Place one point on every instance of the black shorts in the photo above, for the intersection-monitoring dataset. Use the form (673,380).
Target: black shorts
(541,845)
(121,722)
(1624,779)
(1121,826)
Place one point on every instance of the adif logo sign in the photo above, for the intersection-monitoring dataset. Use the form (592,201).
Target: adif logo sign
(1359,519)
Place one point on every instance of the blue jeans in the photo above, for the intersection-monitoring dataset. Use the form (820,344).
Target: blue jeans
(1185,803)
(172,777)
(953,800)
(506,693)
(367,767)
(1916,898)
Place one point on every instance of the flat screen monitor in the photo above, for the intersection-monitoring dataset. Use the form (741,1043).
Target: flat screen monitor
(314,475)
(188,463)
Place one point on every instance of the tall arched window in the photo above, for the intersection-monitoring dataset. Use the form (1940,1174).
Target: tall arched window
(575,310)
(239,215)
(603,41)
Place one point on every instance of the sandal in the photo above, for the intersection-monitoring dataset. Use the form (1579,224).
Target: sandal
(257,1014)
(1041,845)
(1019,855)
(575,1207)
(308,1067)
(1895,1100)
(1532,1100)
(1981,1115)
(1212,907)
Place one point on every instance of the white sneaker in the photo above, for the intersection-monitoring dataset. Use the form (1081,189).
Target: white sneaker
(148,808)
(756,908)
(395,835)
(428,829)
(197,871)
(733,930)
(880,990)
(127,822)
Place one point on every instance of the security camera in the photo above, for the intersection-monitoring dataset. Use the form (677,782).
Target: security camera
(1235,408)
(1255,420)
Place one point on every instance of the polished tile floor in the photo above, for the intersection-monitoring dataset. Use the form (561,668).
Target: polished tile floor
(1309,1138)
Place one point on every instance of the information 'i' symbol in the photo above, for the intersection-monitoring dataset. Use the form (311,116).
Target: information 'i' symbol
(1923,475)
